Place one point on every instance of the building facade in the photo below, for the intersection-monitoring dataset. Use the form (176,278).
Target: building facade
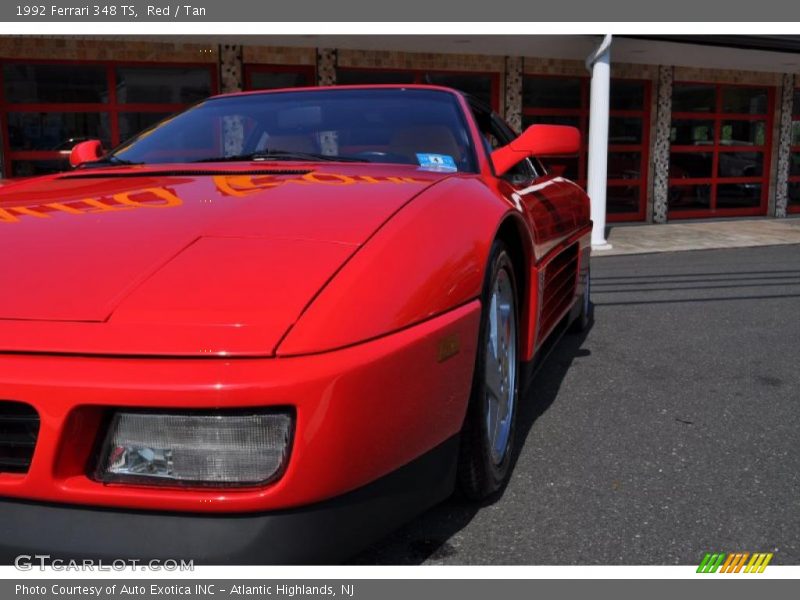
(685,140)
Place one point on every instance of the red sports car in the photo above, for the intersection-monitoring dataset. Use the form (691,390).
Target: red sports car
(276,325)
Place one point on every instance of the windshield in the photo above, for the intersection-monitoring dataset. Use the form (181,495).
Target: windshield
(402,126)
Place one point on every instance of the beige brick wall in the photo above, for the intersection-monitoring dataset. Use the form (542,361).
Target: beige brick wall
(372,59)
(576,68)
(81,48)
(726,76)
(421,60)
(632,71)
(108,48)
(275,55)
(554,66)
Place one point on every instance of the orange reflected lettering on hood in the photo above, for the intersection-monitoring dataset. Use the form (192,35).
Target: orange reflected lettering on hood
(152,197)
(243,185)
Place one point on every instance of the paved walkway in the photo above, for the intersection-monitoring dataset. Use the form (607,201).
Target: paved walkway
(706,235)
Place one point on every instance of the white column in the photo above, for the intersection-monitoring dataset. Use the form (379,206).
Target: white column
(599,63)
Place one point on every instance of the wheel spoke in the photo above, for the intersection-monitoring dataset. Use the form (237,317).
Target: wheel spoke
(493,328)
(500,366)
(492,420)
(493,375)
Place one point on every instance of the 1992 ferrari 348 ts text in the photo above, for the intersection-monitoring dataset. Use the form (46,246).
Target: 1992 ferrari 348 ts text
(276,325)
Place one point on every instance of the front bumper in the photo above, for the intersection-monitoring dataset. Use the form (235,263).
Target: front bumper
(361,412)
(323,533)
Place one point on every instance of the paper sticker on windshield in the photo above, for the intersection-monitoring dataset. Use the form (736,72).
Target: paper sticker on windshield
(437,162)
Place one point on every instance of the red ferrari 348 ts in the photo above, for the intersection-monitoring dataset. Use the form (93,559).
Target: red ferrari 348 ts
(276,325)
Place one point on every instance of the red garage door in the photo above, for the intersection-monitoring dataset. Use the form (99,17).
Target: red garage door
(794,160)
(48,106)
(565,101)
(720,150)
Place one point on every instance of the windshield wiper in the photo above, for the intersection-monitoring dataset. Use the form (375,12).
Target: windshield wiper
(276,155)
(110,160)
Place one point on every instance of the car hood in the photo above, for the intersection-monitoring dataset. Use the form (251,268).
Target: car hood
(181,260)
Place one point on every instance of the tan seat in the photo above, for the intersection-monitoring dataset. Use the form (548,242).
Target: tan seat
(291,143)
(434,139)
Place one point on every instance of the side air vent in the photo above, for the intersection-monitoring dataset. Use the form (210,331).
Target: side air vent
(90,174)
(19,428)
(559,287)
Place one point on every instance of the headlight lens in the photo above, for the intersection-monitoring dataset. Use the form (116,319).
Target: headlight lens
(195,449)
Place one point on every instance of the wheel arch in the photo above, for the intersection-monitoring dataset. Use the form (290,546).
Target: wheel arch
(516,235)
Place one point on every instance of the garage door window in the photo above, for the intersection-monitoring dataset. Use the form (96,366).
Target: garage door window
(565,101)
(719,150)
(794,158)
(45,108)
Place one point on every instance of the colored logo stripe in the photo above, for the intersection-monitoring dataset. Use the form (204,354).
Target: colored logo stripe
(728,566)
(734,562)
(737,565)
(711,562)
(758,563)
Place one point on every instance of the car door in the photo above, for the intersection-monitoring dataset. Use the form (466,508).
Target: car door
(555,209)
(553,206)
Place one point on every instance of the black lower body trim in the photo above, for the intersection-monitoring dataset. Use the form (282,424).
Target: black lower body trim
(323,533)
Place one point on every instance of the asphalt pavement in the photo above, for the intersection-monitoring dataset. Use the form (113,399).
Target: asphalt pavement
(670,429)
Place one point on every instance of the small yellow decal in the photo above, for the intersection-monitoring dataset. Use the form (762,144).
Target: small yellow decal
(448,347)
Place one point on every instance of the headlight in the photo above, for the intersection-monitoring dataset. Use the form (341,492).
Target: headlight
(195,449)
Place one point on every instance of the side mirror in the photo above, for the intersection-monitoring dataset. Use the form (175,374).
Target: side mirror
(537,140)
(88,151)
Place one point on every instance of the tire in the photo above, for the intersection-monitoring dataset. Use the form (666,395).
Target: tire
(487,437)
(584,318)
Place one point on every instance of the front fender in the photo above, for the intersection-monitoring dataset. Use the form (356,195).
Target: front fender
(428,259)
